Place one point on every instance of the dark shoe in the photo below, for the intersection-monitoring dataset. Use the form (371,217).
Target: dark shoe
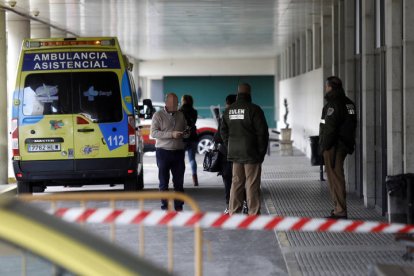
(178,209)
(333,216)
(164,207)
(195,180)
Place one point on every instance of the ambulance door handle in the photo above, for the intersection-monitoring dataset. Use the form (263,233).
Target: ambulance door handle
(86,130)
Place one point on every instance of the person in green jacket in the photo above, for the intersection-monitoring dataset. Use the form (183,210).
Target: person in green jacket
(245,132)
(336,140)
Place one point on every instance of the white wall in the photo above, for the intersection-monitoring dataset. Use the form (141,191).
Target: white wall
(304,95)
(208,67)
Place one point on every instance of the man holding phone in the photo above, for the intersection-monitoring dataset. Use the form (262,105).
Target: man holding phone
(168,128)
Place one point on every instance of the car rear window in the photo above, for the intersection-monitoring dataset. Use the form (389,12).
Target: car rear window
(96,95)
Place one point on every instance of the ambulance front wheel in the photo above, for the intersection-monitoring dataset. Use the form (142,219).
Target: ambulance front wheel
(24,187)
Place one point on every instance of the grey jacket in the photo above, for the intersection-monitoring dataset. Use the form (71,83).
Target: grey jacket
(163,124)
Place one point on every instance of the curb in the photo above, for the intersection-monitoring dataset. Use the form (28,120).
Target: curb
(8,190)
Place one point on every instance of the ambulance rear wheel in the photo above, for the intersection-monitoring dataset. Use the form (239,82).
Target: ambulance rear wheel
(24,187)
(131,184)
(39,188)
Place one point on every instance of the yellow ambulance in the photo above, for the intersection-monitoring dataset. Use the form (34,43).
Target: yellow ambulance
(75,115)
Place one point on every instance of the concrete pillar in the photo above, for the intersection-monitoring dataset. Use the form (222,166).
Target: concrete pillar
(18,28)
(327,39)
(146,87)
(57,33)
(135,75)
(316,45)
(341,36)
(291,61)
(335,37)
(297,57)
(282,66)
(3,101)
(393,40)
(408,84)
(287,60)
(75,22)
(57,14)
(278,73)
(368,104)
(309,51)
(303,54)
(39,30)
(105,19)
(348,76)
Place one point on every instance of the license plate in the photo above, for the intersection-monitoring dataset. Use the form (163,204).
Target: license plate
(43,147)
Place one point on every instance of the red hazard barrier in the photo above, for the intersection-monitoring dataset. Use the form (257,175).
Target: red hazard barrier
(222,221)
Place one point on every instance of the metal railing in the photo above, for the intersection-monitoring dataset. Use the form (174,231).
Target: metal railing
(139,197)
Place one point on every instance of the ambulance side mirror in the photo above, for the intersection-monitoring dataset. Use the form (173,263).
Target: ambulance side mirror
(147,110)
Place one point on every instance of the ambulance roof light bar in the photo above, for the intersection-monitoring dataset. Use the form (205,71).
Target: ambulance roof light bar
(70,42)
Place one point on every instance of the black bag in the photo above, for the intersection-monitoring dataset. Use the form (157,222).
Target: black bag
(212,161)
(316,156)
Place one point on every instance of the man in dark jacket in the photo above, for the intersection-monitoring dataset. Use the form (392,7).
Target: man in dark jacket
(245,132)
(336,140)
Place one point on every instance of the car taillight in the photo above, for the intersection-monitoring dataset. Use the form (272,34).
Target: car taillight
(15,138)
(132,138)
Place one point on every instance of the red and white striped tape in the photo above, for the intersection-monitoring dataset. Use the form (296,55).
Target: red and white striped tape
(222,221)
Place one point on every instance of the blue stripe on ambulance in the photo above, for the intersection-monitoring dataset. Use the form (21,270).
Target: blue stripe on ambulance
(126,92)
(118,138)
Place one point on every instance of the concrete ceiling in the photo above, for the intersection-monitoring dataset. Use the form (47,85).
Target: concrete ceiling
(176,29)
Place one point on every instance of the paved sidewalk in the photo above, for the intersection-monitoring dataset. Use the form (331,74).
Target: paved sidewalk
(226,252)
(291,187)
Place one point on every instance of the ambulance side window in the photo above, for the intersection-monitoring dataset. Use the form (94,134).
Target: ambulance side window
(46,94)
(97,96)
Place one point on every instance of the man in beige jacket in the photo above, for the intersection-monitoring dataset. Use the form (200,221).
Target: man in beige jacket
(169,127)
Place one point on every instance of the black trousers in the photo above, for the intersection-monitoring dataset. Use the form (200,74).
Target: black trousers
(227,175)
(171,160)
